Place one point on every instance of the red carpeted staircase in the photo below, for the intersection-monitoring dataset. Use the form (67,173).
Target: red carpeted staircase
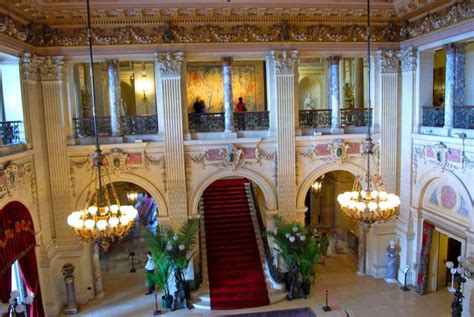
(235,272)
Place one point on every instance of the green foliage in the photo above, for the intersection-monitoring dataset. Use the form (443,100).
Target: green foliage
(172,251)
(161,275)
(296,245)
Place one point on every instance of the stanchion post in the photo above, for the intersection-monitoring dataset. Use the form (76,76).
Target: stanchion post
(327,308)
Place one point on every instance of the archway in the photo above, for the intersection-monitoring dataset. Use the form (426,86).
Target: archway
(17,247)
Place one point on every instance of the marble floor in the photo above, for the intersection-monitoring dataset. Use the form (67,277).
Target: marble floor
(356,295)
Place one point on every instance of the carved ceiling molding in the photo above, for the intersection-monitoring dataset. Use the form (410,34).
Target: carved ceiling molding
(204,32)
(451,15)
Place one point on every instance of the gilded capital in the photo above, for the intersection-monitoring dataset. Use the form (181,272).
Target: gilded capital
(170,63)
(389,61)
(284,61)
(42,68)
(408,59)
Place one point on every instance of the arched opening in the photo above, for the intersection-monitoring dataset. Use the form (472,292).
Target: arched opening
(18,264)
(323,211)
(310,93)
(232,263)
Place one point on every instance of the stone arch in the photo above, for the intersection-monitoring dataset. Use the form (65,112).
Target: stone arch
(316,173)
(270,198)
(130,178)
(428,178)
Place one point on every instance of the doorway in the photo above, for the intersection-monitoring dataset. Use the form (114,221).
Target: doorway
(444,247)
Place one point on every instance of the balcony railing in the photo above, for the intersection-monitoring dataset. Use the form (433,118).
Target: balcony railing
(131,125)
(433,116)
(464,117)
(215,121)
(321,118)
(315,118)
(11,132)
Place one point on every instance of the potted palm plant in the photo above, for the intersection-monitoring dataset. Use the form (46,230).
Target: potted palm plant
(177,248)
(161,278)
(299,251)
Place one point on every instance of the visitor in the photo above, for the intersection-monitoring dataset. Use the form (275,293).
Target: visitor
(150,269)
(240,106)
(324,243)
(199,106)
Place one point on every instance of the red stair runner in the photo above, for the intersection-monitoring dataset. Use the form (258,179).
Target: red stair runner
(235,272)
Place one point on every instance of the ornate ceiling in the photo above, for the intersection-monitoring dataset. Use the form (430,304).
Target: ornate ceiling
(59,23)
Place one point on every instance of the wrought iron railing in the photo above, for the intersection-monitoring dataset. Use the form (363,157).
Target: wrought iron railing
(206,122)
(320,118)
(463,117)
(252,120)
(11,132)
(214,121)
(131,125)
(433,116)
(354,117)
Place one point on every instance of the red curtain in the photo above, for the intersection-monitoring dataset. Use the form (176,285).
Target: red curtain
(424,265)
(17,242)
(29,272)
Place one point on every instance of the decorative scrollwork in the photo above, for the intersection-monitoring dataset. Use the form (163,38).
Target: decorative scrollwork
(433,117)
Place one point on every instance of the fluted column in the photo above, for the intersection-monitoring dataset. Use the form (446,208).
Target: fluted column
(284,65)
(388,102)
(405,230)
(114,96)
(358,83)
(169,95)
(334,95)
(228,98)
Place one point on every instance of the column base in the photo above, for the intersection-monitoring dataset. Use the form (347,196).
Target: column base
(337,131)
(229,135)
(360,273)
(390,280)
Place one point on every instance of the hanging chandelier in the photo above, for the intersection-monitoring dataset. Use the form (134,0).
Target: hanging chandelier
(371,204)
(103,218)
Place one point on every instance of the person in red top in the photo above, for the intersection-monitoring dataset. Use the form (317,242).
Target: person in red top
(240,106)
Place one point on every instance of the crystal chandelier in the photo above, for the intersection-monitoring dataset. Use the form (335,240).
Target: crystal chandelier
(371,204)
(103,219)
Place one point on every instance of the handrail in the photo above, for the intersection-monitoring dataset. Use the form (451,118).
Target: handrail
(131,125)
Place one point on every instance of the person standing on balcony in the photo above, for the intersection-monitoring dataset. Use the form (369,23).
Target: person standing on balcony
(199,106)
(240,106)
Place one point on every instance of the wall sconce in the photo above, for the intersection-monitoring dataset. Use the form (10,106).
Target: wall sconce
(144,85)
(317,185)
(132,196)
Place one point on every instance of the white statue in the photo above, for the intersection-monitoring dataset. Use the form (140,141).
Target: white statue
(308,102)
(392,262)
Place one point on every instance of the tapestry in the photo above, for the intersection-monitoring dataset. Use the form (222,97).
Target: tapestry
(424,266)
(298,312)
(205,82)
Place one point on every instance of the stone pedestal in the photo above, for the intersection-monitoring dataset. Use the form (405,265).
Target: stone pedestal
(71,306)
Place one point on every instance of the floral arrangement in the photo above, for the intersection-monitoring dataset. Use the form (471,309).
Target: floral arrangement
(297,247)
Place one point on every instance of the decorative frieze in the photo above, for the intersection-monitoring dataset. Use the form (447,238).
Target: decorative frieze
(337,152)
(170,63)
(453,14)
(12,176)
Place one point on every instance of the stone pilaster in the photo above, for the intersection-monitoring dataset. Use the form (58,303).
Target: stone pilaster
(389,66)
(284,67)
(169,95)
(114,96)
(228,97)
(334,96)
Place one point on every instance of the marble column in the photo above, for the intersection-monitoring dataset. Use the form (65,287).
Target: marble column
(114,96)
(404,226)
(228,98)
(358,83)
(98,284)
(450,85)
(362,248)
(460,77)
(169,95)
(388,102)
(284,65)
(334,98)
